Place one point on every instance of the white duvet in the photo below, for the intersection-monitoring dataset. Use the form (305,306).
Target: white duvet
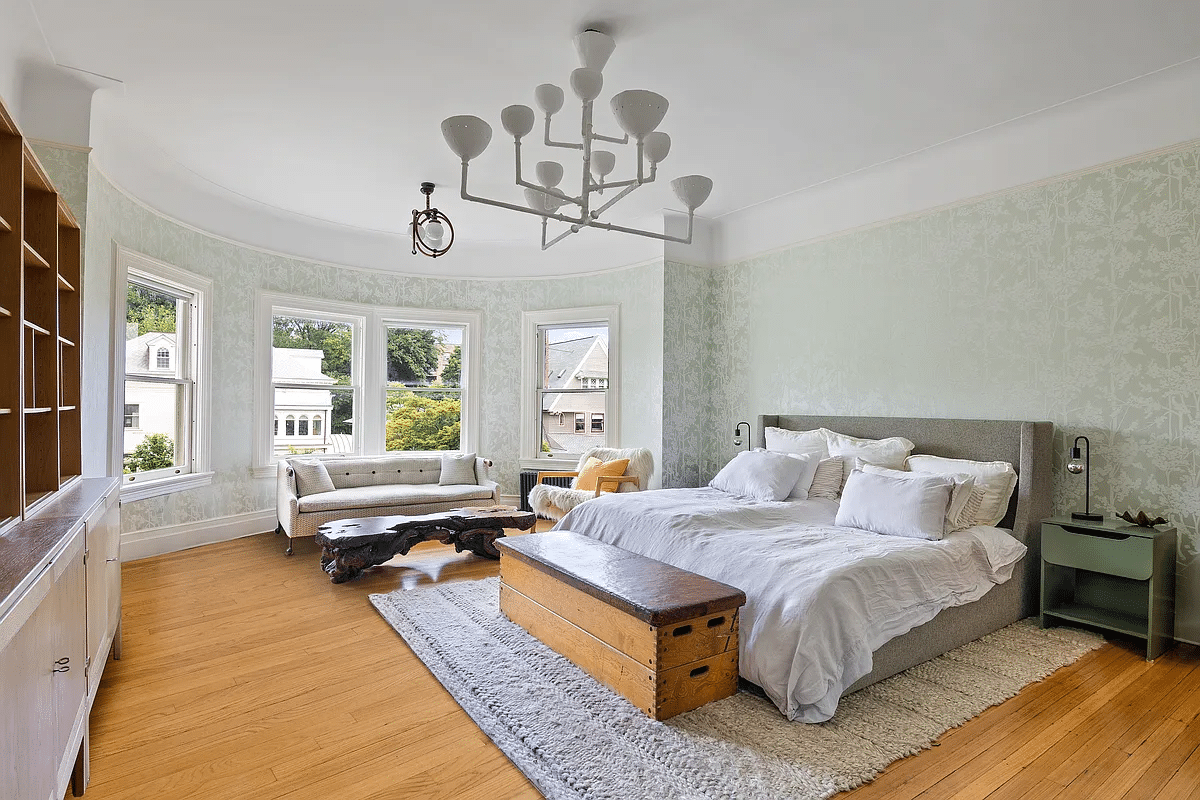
(820,598)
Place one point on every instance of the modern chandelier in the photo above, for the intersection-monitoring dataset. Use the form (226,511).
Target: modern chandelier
(639,113)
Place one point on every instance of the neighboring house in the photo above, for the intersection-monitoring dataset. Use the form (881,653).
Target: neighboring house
(573,422)
(149,407)
(302,415)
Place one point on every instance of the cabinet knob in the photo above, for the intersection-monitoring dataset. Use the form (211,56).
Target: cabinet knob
(62,665)
(111,560)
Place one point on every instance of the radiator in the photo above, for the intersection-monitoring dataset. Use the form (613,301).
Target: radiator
(529,478)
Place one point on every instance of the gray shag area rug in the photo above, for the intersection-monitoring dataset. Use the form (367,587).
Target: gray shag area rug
(574,738)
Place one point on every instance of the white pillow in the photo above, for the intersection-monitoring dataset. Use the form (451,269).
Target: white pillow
(961,512)
(780,440)
(311,476)
(804,482)
(458,470)
(912,507)
(827,480)
(996,478)
(759,474)
(889,452)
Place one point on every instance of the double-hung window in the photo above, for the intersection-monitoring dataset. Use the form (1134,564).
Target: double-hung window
(569,395)
(164,334)
(353,379)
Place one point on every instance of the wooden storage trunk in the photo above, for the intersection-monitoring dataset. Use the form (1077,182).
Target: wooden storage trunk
(664,638)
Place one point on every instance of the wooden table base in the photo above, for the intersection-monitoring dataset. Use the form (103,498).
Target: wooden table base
(351,545)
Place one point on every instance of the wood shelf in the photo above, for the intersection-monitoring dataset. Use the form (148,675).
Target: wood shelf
(33,258)
(66,341)
(39,410)
(36,328)
(66,408)
(4,312)
(5,226)
(64,284)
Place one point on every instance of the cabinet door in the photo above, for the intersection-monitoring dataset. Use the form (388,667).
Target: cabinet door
(103,584)
(26,760)
(68,603)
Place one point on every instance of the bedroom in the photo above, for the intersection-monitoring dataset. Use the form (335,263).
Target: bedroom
(1051,257)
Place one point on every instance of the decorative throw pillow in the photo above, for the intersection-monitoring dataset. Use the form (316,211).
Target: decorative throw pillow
(759,475)
(911,507)
(311,476)
(595,468)
(458,470)
(804,482)
(889,452)
(827,480)
(781,440)
(996,478)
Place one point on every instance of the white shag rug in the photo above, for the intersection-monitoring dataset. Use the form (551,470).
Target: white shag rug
(574,738)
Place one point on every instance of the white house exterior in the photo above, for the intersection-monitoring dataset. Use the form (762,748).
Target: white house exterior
(302,415)
(151,407)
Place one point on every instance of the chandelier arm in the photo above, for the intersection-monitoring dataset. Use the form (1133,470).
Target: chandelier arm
(586,134)
(538,187)
(633,185)
(648,234)
(556,239)
(511,206)
(602,138)
(570,145)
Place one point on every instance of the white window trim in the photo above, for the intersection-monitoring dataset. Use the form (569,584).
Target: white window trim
(531,455)
(368,367)
(200,474)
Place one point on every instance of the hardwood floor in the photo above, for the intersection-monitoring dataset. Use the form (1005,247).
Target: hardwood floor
(247,674)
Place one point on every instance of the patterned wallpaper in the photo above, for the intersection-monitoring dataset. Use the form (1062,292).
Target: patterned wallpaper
(1076,302)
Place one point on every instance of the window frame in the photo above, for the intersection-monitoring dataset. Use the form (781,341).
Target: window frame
(531,456)
(157,274)
(368,366)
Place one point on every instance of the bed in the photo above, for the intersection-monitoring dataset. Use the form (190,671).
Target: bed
(714,541)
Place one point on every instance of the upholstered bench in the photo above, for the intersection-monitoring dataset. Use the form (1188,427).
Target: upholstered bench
(664,638)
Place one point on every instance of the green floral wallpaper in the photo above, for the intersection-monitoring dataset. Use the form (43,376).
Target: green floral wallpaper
(1076,302)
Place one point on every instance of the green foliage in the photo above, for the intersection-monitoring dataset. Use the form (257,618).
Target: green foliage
(156,451)
(332,338)
(152,311)
(412,355)
(422,422)
(300,451)
(452,372)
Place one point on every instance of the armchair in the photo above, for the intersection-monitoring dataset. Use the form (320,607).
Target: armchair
(553,502)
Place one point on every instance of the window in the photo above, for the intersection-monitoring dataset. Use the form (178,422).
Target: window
(569,363)
(276,429)
(360,379)
(164,361)
(423,410)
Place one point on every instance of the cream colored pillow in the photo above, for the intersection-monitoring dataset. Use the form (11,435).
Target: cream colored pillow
(889,452)
(827,481)
(997,479)
(781,440)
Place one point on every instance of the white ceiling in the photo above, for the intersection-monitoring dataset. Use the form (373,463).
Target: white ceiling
(325,115)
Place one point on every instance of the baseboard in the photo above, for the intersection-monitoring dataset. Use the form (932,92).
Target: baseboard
(171,538)
(511,500)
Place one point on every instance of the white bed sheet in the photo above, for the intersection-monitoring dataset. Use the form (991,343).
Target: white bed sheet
(820,598)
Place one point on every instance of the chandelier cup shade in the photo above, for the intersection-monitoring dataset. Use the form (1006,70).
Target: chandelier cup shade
(429,228)
(517,120)
(638,112)
(466,135)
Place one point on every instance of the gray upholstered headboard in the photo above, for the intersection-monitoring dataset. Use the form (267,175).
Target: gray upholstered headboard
(1026,445)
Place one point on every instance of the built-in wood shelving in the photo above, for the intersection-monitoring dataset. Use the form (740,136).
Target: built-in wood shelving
(40,326)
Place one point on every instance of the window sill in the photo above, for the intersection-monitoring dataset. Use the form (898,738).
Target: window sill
(135,490)
(563,462)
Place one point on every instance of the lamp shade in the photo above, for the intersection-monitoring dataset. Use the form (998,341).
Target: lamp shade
(517,120)
(656,145)
(541,202)
(638,111)
(602,163)
(549,98)
(466,135)
(594,48)
(692,190)
(587,83)
(549,173)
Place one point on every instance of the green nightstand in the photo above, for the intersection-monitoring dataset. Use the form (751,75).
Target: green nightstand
(1110,575)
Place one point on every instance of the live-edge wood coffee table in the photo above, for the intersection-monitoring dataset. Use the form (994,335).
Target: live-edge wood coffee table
(349,546)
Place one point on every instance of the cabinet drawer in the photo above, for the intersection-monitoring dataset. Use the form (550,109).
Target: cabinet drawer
(1130,557)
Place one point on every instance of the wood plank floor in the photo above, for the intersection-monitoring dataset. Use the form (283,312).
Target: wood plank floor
(246,674)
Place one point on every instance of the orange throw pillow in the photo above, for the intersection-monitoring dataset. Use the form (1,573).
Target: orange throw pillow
(595,468)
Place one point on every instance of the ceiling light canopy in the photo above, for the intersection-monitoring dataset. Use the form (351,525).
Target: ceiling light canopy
(638,112)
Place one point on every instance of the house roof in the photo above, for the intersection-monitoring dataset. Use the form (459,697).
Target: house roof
(137,351)
(565,361)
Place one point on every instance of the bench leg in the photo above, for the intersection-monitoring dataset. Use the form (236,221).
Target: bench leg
(288,552)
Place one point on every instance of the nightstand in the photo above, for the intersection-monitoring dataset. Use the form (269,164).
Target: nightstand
(1110,575)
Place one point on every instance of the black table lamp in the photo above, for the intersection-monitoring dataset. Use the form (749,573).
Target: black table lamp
(737,435)
(1077,465)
